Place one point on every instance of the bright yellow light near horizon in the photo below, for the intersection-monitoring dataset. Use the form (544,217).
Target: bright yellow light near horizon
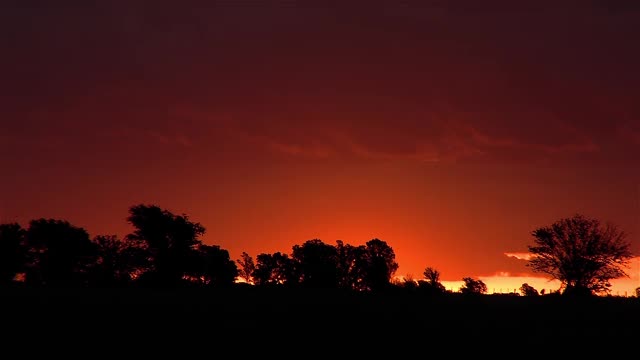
(504,284)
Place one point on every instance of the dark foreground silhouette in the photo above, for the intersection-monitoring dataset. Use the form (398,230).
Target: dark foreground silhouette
(315,322)
(161,292)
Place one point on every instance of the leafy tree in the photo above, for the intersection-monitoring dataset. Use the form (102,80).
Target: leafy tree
(316,263)
(60,254)
(217,267)
(528,290)
(168,240)
(582,253)
(351,266)
(431,282)
(247,267)
(380,264)
(638,292)
(119,261)
(275,269)
(12,252)
(473,286)
(264,273)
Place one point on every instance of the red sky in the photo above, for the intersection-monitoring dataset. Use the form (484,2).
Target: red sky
(449,129)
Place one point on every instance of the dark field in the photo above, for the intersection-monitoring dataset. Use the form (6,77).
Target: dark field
(320,322)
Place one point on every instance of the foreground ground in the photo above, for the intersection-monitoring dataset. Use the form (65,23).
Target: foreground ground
(319,322)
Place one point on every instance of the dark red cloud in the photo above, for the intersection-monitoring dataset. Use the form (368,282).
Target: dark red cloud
(433,122)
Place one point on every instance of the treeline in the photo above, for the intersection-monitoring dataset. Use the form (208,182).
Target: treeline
(165,250)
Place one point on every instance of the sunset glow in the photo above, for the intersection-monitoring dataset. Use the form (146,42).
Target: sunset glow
(450,132)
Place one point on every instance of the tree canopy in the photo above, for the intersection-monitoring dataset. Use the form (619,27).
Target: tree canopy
(528,290)
(59,253)
(12,251)
(431,281)
(169,240)
(582,253)
(473,286)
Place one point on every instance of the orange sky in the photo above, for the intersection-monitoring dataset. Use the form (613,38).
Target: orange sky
(451,131)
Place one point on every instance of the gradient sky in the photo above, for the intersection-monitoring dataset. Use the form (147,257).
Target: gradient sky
(449,129)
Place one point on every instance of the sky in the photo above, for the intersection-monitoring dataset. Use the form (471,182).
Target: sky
(449,129)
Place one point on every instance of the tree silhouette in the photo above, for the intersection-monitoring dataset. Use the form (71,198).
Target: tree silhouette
(274,269)
(316,263)
(60,254)
(12,252)
(247,267)
(582,253)
(431,282)
(351,266)
(528,290)
(473,286)
(408,283)
(380,264)
(119,261)
(169,242)
(217,268)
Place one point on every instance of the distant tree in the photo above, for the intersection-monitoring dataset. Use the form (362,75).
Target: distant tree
(247,267)
(274,269)
(265,269)
(638,292)
(217,269)
(114,265)
(431,282)
(169,242)
(582,253)
(136,258)
(60,254)
(473,286)
(408,282)
(12,252)
(528,290)
(316,263)
(351,266)
(380,264)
